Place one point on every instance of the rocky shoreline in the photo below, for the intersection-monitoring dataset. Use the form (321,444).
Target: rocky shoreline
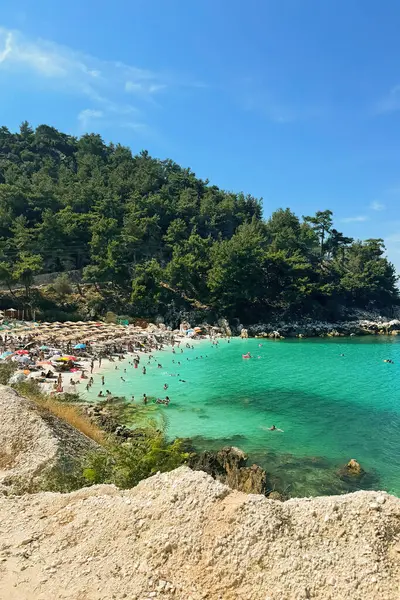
(229,464)
(309,328)
(357,323)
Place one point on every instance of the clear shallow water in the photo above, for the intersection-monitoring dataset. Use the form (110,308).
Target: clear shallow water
(331,407)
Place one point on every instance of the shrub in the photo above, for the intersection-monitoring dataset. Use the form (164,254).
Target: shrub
(62,285)
(126,463)
(6,370)
(110,317)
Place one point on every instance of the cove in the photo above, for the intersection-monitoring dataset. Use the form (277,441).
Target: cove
(331,407)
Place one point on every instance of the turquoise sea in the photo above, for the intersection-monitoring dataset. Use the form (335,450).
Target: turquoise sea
(331,407)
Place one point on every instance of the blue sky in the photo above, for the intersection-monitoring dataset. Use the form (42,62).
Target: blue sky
(295,101)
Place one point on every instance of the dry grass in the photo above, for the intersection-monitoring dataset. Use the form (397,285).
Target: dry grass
(73,416)
(69,413)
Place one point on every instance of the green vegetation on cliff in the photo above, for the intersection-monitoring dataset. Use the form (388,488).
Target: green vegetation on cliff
(165,240)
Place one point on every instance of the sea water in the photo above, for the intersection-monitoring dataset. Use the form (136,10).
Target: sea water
(334,398)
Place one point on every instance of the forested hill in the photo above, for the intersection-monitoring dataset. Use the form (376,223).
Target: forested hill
(161,236)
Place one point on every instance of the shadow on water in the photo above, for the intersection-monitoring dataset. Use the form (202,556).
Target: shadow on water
(316,421)
(321,435)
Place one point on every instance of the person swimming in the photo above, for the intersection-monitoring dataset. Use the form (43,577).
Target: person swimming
(165,386)
(273,428)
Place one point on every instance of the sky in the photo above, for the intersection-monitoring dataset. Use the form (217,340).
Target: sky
(296,102)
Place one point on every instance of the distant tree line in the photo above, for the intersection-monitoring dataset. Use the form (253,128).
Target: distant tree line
(157,233)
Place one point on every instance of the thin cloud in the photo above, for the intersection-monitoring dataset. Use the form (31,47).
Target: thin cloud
(144,87)
(393,191)
(358,219)
(378,206)
(86,116)
(109,85)
(391,103)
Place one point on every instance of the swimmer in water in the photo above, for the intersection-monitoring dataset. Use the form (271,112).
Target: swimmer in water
(273,428)
(165,386)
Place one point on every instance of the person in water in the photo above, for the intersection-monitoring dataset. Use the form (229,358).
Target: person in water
(165,386)
(144,399)
(100,394)
(273,428)
(144,370)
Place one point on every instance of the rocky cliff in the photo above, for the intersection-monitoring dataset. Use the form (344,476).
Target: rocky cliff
(183,535)
(35,445)
(180,535)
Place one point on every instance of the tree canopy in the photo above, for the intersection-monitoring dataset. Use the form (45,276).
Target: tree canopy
(158,233)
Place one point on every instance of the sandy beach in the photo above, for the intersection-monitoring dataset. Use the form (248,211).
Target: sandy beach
(70,357)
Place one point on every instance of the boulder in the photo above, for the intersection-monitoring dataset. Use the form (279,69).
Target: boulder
(244,333)
(229,465)
(250,480)
(225,328)
(184,326)
(351,470)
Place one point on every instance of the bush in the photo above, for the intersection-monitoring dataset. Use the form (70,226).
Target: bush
(126,463)
(6,370)
(62,285)
(110,317)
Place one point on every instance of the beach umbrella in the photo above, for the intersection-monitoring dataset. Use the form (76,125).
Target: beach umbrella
(23,359)
(43,347)
(22,352)
(80,347)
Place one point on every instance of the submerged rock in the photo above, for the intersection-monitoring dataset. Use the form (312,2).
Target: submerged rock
(351,470)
